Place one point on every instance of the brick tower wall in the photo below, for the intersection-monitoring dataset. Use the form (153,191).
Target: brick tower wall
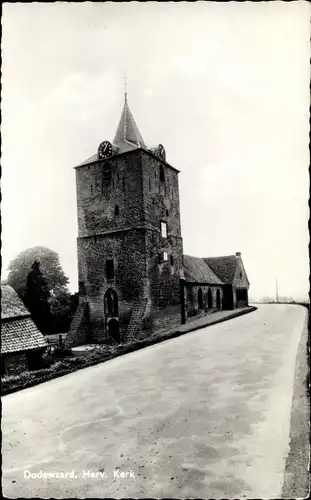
(130,235)
(107,233)
(161,203)
(98,196)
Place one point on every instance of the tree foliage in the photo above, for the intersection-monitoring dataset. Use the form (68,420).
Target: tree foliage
(36,298)
(38,278)
(49,266)
(63,307)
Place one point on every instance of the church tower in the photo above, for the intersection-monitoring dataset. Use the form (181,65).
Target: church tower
(130,252)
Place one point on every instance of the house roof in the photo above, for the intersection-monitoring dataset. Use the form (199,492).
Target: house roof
(18,331)
(224,267)
(196,269)
(11,304)
(20,335)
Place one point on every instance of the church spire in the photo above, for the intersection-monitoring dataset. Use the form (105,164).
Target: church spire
(127,136)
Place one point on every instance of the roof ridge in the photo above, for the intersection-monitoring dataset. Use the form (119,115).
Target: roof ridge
(17,317)
(220,257)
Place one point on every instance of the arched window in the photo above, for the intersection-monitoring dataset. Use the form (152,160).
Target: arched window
(111,303)
(209,299)
(200,298)
(162,173)
(116,210)
(172,260)
(149,185)
(190,296)
(218,301)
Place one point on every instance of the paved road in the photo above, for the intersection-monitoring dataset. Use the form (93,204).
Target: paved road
(203,415)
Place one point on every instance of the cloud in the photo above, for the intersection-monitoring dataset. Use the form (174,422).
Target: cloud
(225,87)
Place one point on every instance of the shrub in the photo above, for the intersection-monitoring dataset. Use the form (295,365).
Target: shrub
(147,323)
(61,352)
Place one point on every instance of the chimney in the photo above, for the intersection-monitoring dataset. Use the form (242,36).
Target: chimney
(238,254)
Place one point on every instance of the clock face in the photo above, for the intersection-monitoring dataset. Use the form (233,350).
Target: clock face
(104,150)
(161,152)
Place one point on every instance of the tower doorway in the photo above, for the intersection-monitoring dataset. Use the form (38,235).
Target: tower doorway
(114,330)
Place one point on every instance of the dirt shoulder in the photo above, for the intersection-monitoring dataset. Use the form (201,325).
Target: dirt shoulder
(297,469)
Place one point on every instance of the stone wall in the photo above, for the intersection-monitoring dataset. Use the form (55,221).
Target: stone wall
(121,204)
(238,302)
(161,194)
(98,195)
(240,283)
(163,276)
(192,299)
(161,204)
(79,332)
(169,317)
(127,249)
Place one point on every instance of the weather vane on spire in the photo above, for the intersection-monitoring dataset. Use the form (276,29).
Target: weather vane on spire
(125,87)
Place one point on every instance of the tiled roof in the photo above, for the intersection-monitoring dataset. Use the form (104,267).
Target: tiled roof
(89,160)
(20,335)
(224,267)
(196,269)
(11,304)
(127,132)
(127,135)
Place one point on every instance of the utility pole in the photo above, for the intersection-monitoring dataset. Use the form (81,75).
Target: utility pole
(277,290)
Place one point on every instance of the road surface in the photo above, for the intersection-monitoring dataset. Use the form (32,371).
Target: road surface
(204,415)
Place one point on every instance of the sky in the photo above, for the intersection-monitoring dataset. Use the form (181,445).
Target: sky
(223,86)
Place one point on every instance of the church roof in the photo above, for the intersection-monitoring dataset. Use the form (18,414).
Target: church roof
(196,269)
(224,267)
(91,159)
(127,136)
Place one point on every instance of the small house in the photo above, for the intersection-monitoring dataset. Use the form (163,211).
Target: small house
(22,344)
